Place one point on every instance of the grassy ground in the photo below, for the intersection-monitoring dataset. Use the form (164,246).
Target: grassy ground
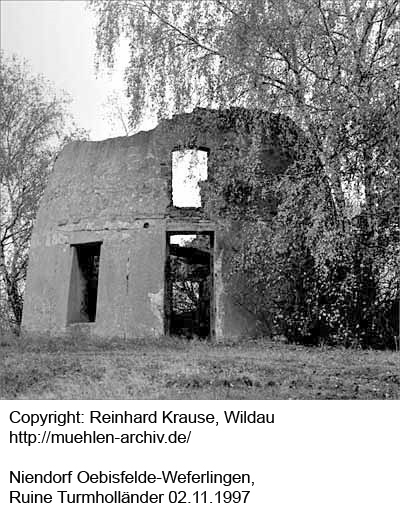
(193,370)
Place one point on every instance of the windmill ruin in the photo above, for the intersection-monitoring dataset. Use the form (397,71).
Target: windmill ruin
(116,252)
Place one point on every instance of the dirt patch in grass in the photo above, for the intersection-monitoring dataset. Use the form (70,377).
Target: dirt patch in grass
(179,369)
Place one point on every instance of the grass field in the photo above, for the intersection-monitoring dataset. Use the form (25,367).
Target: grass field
(177,369)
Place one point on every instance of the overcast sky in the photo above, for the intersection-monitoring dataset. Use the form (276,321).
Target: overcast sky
(57,38)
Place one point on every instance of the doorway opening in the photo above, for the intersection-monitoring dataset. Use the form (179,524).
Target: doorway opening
(189,284)
(82,302)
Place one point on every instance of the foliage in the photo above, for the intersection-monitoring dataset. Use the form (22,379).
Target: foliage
(115,112)
(315,284)
(34,125)
(327,266)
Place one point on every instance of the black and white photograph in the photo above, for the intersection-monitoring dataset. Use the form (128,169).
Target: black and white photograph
(200,264)
(200,199)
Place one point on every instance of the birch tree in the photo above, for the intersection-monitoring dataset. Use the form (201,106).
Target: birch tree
(331,66)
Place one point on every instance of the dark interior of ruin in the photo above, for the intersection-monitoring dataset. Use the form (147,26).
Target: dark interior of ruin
(84,282)
(188,300)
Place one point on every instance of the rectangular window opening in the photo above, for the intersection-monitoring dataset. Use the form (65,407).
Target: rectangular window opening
(189,285)
(189,168)
(82,302)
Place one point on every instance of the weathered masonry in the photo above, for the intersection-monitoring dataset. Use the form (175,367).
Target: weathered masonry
(122,249)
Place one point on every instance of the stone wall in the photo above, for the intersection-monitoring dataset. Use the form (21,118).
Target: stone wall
(118,192)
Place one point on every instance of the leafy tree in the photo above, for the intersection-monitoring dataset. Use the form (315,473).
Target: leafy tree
(115,111)
(333,68)
(34,124)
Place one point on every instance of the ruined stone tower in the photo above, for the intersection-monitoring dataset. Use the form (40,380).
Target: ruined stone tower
(115,254)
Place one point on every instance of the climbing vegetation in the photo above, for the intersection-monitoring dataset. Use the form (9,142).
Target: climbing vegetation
(318,255)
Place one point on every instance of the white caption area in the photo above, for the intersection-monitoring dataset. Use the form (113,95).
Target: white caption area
(320,465)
